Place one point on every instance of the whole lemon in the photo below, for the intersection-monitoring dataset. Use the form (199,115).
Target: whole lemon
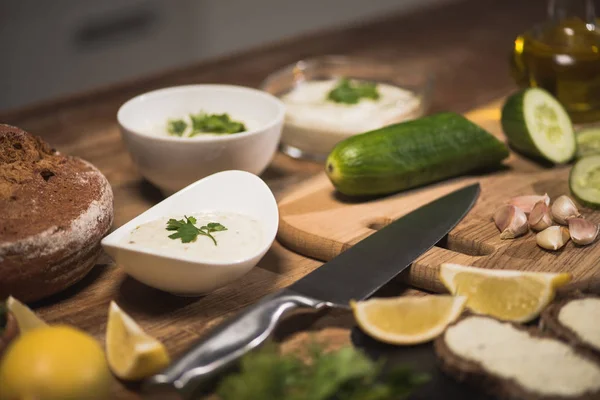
(52,363)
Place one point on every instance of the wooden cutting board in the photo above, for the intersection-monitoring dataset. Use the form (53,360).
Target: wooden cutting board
(317,222)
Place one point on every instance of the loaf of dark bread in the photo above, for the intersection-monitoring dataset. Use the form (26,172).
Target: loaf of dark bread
(511,361)
(55,210)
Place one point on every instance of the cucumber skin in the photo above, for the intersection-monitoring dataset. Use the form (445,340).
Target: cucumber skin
(579,199)
(411,154)
(515,127)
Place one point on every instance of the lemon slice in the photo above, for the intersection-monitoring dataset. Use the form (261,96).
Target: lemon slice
(510,295)
(407,320)
(26,318)
(132,354)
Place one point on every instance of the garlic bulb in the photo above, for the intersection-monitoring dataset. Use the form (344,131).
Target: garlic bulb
(553,238)
(526,203)
(564,208)
(583,232)
(540,217)
(511,221)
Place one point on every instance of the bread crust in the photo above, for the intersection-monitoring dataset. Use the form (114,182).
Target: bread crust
(549,322)
(473,373)
(58,208)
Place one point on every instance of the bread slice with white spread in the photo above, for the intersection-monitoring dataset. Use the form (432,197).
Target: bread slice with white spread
(576,320)
(513,362)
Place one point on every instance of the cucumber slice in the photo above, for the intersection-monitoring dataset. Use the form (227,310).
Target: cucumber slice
(588,141)
(537,125)
(584,181)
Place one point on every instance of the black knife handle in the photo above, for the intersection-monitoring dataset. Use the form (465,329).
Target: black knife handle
(226,344)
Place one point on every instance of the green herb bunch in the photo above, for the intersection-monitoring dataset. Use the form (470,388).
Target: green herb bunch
(345,374)
(351,92)
(188,232)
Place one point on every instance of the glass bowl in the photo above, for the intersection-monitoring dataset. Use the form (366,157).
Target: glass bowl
(307,135)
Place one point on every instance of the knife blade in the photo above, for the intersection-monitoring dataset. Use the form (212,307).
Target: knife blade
(358,272)
(355,274)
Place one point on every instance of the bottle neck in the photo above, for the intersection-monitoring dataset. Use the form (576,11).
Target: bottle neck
(560,10)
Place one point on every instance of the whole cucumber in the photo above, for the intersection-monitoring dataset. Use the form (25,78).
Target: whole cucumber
(411,154)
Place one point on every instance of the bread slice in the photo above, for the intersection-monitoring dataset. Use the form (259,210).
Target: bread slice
(576,320)
(513,362)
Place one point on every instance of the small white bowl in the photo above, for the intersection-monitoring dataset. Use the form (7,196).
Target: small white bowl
(228,191)
(171,163)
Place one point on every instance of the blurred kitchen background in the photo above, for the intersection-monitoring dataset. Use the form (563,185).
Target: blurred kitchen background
(54,48)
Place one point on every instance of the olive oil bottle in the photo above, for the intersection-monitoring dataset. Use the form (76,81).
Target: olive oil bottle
(562,56)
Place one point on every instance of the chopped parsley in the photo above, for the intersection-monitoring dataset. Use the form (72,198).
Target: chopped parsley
(187,231)
(351,92)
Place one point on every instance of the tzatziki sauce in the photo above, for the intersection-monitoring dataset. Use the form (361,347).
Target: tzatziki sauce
(242,238)
(314,124)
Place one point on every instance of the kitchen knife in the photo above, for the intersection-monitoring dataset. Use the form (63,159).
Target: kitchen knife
(355,274)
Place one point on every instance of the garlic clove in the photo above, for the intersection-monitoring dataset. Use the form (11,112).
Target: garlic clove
(583,232)
(503,216)
(511,221)
(526,203)
(540,217)
(564,208)
(553,238)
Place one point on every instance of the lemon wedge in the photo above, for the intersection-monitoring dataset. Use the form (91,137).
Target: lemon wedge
(407,320)
(26,318)
(509,295)
(132,354)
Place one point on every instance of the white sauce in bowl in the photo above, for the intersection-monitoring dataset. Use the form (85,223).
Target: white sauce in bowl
(314,124)
(242,239)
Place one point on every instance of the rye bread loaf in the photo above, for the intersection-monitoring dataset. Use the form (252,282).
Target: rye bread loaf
(54,211)
(576,320)
(511,361)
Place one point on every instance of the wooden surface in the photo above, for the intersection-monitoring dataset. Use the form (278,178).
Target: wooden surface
(316,222)
(465,44)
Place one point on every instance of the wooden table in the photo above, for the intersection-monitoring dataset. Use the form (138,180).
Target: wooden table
(466,44)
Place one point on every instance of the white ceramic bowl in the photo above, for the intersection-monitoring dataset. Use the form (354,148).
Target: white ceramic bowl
(229,191)
(171,163)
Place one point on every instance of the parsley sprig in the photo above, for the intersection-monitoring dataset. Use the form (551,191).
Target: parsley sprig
(188,232)
(205,123)
(214,123)
(176,127)
(350,92)
(346,374)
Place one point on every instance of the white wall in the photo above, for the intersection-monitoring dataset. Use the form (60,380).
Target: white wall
(53,48)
